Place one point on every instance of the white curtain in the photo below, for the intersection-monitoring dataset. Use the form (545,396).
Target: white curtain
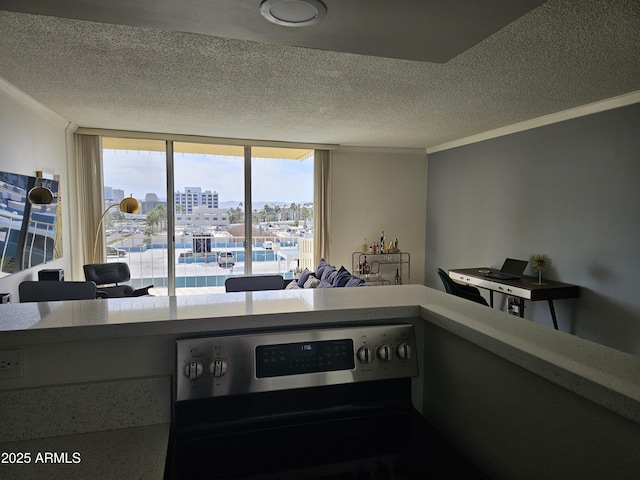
(89,186)
(322,205)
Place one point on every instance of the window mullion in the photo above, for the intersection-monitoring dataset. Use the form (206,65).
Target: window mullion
(248,219)
(171,222)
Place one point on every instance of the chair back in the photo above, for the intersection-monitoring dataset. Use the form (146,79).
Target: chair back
(253,284)
(462,291)
(107,273)
(449,286)
(49,291)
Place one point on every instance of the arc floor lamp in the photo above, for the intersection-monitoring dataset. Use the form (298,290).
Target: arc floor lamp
(127,205)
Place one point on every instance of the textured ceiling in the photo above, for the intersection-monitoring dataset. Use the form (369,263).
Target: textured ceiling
(560,55)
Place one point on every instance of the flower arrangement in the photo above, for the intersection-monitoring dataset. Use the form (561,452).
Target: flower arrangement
(540,262)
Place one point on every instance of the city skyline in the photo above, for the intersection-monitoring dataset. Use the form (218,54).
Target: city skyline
(138,173)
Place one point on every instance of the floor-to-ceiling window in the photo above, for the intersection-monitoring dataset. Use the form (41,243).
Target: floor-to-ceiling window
(208,198)
(137,168)
(282,209)
(234,210)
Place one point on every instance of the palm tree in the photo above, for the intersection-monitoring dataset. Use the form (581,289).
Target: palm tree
(265,212)
(157,217)
(236,215)
(293,211)
(305,213)
(162,215)
(152,220)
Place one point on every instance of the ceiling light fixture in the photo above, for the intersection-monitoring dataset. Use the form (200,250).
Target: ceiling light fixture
(293,13)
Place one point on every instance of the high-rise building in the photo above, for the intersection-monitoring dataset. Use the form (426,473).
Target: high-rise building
(194,197)
(150,202)
(118,195)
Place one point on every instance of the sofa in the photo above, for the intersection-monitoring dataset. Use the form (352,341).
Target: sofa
(325,275)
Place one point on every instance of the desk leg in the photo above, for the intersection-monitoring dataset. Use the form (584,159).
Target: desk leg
(521,307)
(491,298)
(553,314)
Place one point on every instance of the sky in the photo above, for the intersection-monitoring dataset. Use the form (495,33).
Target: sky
(139,173)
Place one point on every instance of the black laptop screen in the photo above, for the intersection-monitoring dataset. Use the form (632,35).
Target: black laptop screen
(514,267)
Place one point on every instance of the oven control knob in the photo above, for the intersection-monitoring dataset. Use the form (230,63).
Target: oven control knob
(404,351)
(365,355)
(218,367)
(385,353)
(193,370)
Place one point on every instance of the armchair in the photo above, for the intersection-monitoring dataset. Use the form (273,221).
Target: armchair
(113,273)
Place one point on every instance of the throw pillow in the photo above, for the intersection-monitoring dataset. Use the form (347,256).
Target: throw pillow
(328,270)
(341,278)
(312,282)
(304,276)
(322,264)
(355,282)
(292,286)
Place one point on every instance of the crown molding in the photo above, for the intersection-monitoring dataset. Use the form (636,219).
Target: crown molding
(382,150)
(32,104)
(589,109)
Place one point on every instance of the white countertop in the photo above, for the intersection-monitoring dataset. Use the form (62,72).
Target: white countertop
(602,374)
(102,318)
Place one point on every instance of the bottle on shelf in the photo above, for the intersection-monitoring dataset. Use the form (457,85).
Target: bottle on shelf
(382,242)
(397,280)
(365,246)
(366,269)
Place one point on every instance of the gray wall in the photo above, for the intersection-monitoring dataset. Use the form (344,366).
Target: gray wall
(515,424)
(571,190)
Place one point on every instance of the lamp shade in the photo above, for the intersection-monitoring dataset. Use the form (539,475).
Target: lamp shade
(130,205)
(40,196)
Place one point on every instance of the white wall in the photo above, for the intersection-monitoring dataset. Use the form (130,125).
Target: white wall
(32,138)
(375,190)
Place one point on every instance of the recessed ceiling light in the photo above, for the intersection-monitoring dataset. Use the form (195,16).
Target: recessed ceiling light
(293,13)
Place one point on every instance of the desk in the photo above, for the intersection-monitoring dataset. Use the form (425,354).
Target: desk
(525,288)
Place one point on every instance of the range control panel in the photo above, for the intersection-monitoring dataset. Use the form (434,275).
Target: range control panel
(261,362)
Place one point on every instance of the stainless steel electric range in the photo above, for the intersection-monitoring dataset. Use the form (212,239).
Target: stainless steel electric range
(315,403)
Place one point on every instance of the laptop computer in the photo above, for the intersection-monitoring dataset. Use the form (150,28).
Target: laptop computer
(511,270)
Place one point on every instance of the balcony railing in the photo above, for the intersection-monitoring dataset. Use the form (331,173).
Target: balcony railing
(207,261)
